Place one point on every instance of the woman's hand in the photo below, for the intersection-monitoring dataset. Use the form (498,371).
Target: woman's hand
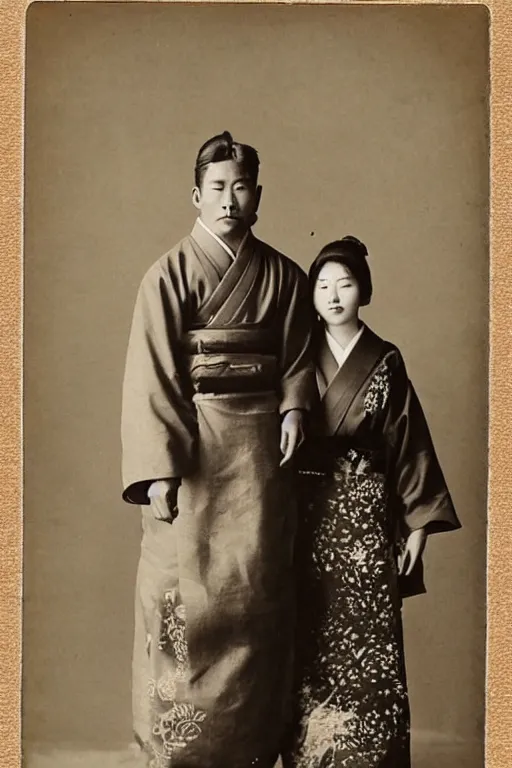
(412,551)
(163,495)
(292,434)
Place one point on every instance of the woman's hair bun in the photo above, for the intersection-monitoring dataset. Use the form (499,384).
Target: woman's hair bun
(355,246)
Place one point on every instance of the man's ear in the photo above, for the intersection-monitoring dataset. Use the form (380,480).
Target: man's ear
(196,197)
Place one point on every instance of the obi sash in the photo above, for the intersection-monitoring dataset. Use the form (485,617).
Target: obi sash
(232,361)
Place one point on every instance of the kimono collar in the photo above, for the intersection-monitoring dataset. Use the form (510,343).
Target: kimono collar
(203,235)
(340,353)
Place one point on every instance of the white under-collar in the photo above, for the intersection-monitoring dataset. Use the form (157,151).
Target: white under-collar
(340,353)
(229,251)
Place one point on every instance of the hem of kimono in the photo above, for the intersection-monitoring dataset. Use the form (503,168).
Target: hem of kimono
(141,749)
(437,521)
(294,404)
(433,524)
(406,594)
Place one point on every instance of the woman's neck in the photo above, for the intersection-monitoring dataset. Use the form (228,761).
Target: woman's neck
(344,334)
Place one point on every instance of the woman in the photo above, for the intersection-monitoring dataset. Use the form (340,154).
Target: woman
(372,491)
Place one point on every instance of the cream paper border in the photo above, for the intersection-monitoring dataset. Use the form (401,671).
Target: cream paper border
(499,609)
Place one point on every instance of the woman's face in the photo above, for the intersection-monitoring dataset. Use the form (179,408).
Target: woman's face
(336,294)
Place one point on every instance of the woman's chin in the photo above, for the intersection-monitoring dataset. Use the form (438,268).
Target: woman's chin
(335,321)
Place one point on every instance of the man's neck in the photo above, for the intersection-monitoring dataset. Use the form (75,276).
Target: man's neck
(233,242)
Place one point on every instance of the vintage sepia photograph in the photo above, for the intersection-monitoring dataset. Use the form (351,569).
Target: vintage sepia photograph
(256,382)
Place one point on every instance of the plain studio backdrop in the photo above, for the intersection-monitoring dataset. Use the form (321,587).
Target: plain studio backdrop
(370,121)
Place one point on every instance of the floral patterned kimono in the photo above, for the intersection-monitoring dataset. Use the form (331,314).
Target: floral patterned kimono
(368,477)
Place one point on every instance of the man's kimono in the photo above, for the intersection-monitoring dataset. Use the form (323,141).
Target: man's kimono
(219,350)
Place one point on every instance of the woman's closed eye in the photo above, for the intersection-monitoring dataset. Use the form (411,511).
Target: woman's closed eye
(338,284)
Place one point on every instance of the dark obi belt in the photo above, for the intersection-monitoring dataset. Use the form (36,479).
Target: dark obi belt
(328,455)
(232,361)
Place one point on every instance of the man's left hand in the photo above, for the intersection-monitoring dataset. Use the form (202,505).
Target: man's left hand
(292,434)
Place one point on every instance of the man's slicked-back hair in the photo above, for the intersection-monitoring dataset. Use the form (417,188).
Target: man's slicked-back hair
(223,147)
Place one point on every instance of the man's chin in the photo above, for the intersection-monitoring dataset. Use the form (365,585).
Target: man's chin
(230,227)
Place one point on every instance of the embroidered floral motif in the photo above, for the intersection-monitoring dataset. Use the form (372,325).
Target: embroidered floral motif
(172,637)
(356,462)
(378,390)
(178,726)
(175,723)
(166,687)
(323,728)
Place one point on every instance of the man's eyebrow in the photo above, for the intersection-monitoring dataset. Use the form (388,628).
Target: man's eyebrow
(236,181)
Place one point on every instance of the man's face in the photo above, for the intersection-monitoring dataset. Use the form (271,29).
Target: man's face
(227,199)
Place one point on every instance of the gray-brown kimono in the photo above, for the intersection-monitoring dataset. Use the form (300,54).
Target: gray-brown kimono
(219,350)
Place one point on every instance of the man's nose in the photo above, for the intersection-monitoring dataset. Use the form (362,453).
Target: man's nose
(229,201)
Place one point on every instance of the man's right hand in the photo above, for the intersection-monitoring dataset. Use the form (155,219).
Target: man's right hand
(163,495)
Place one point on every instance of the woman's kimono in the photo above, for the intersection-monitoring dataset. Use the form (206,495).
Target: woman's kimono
(364,484)
(219,350)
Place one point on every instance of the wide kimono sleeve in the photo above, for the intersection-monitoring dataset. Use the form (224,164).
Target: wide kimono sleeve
(416,479)
(158,424)
(298,379)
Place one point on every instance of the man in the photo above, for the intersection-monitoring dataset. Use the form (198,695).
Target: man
(218,376)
